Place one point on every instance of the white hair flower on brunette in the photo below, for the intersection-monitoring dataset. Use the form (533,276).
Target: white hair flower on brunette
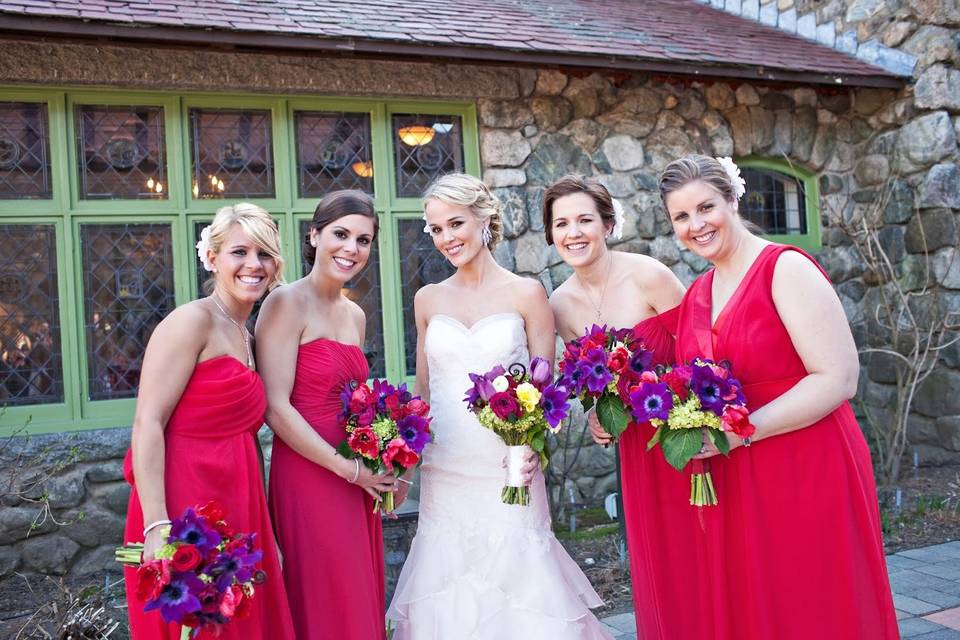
(203,245)
(733,171)
(618,219)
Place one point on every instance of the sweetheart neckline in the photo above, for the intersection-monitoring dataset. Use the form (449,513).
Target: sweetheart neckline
(473,326)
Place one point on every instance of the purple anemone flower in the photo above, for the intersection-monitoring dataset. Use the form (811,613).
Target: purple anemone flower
(641,360)
(651,400)
(192,529)
(381,390)
(237,561)
(345,396)
(555,407)
(595,372)
(179,598)
(709,387)
(414,431)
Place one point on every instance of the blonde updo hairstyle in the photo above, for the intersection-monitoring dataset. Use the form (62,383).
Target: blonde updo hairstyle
(256,223)
(696,167)
(465,190)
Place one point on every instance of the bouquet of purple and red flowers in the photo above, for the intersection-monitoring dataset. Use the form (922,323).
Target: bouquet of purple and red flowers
(520,407)
(203,577)
(684,401)
(601,368)
(387,428)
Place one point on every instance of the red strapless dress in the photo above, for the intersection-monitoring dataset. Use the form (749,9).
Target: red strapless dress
(211,455)
(659,521)
(331,541)
(793,550)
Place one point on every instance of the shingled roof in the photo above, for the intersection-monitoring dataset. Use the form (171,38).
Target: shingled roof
(672,36)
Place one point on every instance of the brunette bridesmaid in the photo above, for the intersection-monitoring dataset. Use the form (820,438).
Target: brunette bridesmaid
(309,338)
(199,407)
(793,549)
(627,290)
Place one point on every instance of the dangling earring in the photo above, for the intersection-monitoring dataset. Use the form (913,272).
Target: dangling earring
(486,236)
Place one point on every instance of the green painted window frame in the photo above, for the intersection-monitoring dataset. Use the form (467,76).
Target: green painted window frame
(809,241)
(66,211)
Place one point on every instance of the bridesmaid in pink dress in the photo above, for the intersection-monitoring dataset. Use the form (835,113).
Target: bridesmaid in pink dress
(199,407)
(626,290)
(308,345)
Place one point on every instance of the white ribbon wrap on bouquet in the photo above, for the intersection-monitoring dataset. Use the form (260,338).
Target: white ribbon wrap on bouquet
(516,455)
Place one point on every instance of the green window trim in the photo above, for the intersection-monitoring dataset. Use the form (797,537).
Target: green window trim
(66,211)
(809,241)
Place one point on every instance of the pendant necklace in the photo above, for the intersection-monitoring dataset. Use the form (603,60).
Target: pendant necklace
(244,333)
(603,291)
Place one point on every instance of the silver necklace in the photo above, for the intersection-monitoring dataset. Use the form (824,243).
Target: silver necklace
(243,330)
(603,291)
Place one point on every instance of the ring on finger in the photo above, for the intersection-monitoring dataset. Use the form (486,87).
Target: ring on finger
(703,448)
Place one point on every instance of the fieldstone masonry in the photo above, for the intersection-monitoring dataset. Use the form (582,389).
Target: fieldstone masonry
(538,124)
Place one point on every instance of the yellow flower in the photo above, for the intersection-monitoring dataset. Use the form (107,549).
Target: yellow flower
(385,428)
(689,415)
(528,395)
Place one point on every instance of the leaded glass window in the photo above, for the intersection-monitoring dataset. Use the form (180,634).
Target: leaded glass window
(774,201)
(24,151)
(127,290)
(232,153)
(120,152)
(365,291)
(420,265)
(333,152)
(425,147)
(30,357)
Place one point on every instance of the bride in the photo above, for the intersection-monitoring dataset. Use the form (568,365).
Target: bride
(479,569)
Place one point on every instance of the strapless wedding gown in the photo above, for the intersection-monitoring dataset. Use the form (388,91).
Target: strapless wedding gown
(479,569)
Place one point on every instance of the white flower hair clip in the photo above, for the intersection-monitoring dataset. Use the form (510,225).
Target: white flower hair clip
(618,220)
(733,172)
(203,245)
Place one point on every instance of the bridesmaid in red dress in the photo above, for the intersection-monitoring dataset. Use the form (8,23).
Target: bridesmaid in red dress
(308,343)
(621,290)
(793,550)
(199,407)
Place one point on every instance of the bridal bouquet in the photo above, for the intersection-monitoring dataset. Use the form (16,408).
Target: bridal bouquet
(682,402)
(387,429)
(203,577)
(520,407)
(601,368)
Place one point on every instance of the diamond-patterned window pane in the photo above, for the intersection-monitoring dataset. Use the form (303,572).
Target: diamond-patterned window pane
(425,147)
(30,362)
(232,153)
(24,151)
(127,290)
(333,152)
(422,264)
(365,291)
(120,150)
(774,201)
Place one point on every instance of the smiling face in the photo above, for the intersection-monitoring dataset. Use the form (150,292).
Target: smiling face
(244,269)
(456,232)
(703,220)
(579,233)
(343,246)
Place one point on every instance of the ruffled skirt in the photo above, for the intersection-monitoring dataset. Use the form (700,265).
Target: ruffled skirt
(482,570)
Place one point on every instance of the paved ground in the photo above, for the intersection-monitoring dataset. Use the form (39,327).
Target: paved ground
(926,593)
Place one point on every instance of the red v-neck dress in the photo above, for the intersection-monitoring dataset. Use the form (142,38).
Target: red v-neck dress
(794,548)
(210,454)
(330,538)
(660,524)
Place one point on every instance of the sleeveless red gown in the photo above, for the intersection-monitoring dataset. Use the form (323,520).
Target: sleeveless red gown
(660,523)
(210,454)
(331,541)
(794,548)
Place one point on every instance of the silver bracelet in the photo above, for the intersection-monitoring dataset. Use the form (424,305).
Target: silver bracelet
(405,481)
(356,474)
(153,525)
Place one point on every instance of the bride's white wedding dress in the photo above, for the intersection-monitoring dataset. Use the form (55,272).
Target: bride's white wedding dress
(479,569)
